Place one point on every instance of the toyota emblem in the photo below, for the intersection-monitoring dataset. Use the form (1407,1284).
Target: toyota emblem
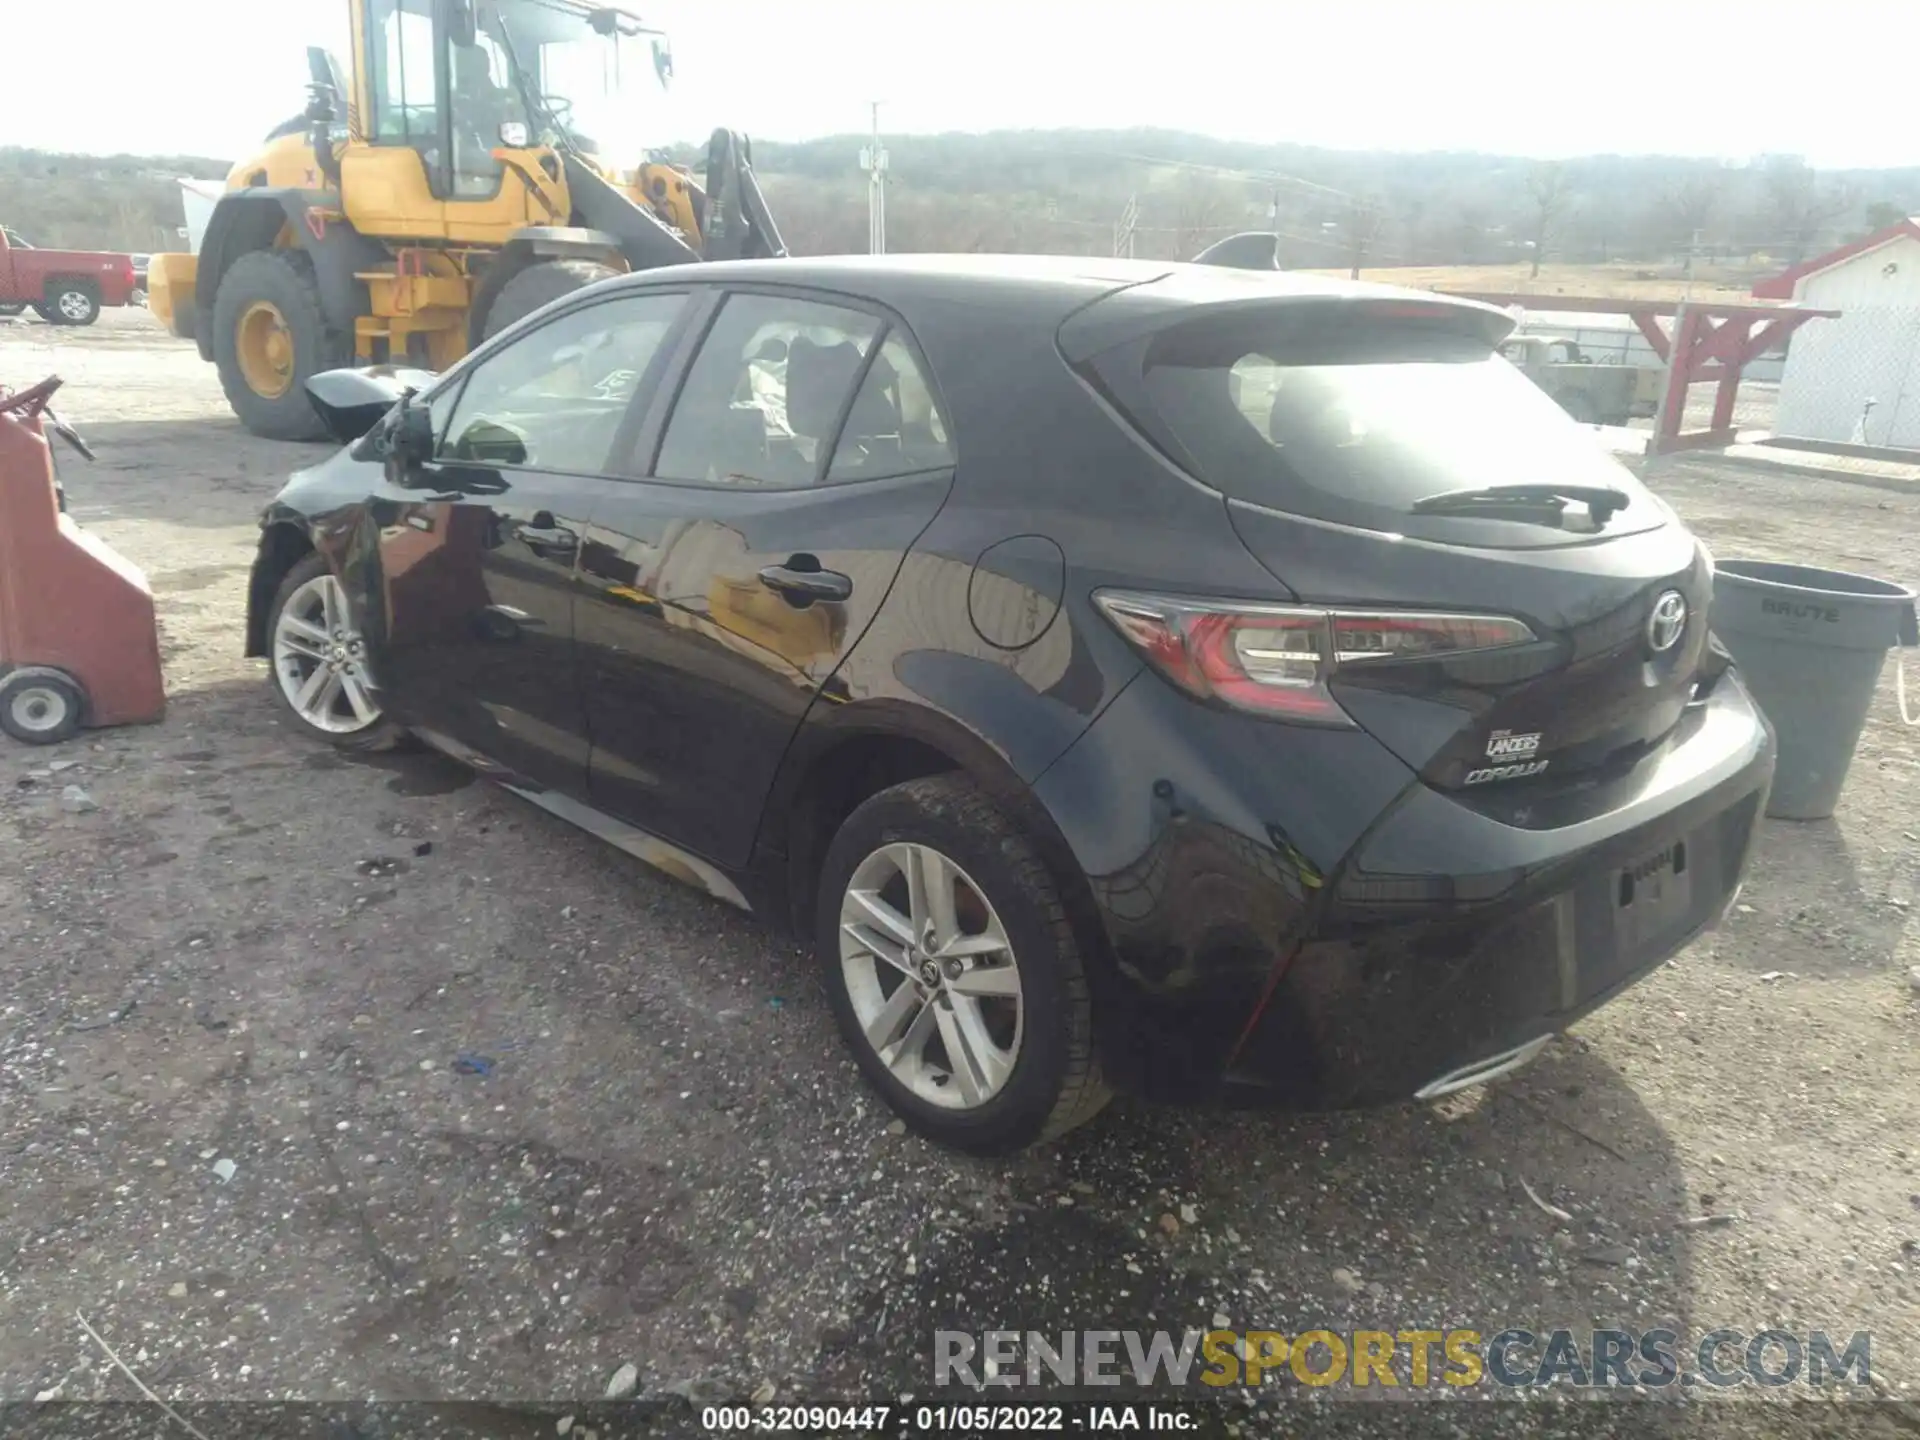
(1668,622)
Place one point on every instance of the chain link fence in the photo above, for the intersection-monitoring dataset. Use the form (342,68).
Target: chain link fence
(1854,380)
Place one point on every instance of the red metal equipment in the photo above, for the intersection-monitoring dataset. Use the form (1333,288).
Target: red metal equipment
(78,643)
(1710,341)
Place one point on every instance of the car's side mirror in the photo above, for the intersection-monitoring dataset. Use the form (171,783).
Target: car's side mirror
(411,439)
(351,402)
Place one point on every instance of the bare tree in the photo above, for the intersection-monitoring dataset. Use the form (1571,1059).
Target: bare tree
(1413,220)
(1800,204)
(1550,192)
(1201,207)
(1882,213)
(1467,236)
(1686,206)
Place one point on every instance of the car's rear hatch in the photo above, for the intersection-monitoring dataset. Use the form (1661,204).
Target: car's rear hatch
(1330,424)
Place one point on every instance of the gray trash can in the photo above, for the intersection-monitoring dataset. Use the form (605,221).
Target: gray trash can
(1810,645)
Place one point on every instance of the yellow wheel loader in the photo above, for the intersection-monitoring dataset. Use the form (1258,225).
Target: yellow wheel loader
(465,175)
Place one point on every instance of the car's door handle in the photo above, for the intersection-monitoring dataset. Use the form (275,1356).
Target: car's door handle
(803,583)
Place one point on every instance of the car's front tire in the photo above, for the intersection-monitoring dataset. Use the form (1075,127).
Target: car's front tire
(953,971)
(319,662)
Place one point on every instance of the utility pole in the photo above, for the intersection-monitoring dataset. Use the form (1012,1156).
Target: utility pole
(1123,232)
(873,160)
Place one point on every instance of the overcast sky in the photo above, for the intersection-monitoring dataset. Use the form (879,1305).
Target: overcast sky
(1832,81)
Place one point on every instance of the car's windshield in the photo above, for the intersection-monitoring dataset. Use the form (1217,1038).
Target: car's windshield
(594,91)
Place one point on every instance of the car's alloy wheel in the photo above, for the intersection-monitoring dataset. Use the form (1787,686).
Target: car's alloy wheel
(319,660)
(932,978)
(954,973)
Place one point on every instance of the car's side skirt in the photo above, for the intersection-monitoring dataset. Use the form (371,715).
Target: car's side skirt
(649,849)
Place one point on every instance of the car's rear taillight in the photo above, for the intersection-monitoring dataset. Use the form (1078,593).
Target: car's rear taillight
(1276,660)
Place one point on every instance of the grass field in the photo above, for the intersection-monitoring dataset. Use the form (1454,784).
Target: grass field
(1726,283)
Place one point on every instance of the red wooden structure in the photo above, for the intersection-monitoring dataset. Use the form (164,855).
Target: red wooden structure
(1710,341)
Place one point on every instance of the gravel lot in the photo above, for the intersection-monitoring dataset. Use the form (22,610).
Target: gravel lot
(506,1111)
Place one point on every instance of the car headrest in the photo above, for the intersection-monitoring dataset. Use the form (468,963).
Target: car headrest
(818,378)
(874,412)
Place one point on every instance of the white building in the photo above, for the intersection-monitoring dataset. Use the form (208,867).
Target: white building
(1856,378)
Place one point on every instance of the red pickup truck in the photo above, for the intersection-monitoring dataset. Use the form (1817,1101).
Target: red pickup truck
(64,287)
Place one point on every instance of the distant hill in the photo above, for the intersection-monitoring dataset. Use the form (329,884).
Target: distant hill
(1068,191)
(104,202)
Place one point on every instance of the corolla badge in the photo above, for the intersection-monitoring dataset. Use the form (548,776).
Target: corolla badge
(1515,757)
(1668,622)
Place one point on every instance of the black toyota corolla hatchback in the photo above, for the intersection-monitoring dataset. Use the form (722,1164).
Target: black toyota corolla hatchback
(1223,686)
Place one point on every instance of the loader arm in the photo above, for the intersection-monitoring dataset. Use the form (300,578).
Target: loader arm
(738,223)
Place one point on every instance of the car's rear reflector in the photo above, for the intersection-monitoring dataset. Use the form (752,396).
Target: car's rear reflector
(1276,660)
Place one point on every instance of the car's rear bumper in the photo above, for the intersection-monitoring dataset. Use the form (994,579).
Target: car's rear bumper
(1291,918)
(1453,944)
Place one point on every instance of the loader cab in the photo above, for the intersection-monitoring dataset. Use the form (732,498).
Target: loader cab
(448,83)
(441,87)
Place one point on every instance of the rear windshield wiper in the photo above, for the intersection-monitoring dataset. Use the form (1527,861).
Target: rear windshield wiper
(1601,500)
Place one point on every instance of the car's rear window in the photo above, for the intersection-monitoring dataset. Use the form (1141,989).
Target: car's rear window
(1353,424)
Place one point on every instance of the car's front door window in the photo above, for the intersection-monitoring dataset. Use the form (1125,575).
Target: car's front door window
(553,398)
(766,393)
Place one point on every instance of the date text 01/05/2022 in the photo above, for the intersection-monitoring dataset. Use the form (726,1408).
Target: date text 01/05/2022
(944,1419)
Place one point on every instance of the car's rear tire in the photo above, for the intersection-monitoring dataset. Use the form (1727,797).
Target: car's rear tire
(318,662)
(540,285)
(270,337)
(13,307)
(970,1014)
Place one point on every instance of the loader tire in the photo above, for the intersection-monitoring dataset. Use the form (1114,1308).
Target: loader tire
(270,337)
(540,285)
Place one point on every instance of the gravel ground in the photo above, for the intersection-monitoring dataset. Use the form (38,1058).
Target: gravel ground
(505,1112)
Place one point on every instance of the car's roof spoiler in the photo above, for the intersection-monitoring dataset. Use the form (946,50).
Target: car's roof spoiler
(1250,250)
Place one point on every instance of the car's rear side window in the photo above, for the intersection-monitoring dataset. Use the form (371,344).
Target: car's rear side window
(894,427)
(1353,423)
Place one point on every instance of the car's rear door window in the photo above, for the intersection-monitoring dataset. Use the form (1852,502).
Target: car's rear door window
(1352,422)
(765,395)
